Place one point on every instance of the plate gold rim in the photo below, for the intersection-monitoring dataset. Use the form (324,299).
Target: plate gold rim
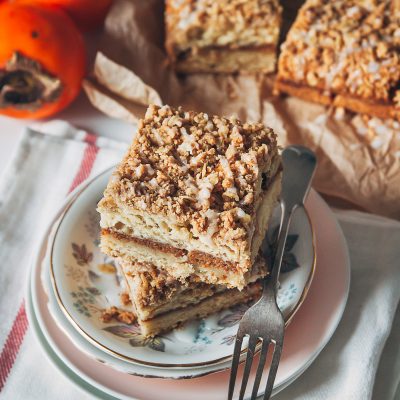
(148,363)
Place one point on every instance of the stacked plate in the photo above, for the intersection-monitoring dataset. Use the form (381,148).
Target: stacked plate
(72,282)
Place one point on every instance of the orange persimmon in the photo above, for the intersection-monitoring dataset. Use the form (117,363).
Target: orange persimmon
(42,61)
(87,14)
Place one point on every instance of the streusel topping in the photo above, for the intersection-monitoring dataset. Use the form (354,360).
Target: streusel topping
(232,23)
(155,286)
(205,172)
(349,46)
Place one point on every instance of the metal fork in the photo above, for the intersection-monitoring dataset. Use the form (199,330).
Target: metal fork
(264,320)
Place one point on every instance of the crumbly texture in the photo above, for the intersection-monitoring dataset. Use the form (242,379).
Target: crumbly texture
(199,176)
(224,23)
(210,305)
(151,287)
(125,299)
(347,49)
(115,313)
(162,302)
(192,26)
(155,287)
(194,260)
(140,237)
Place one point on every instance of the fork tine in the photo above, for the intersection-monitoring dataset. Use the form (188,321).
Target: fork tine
(260,369)
(235,364)
(272,371)
(249,361)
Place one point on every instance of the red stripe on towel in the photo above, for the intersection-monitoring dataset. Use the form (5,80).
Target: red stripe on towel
(20,325)
(87,162)
(12,345)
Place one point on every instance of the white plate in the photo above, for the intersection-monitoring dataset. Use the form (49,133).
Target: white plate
(85,346)
(306,336)
(86,282)
(94,389)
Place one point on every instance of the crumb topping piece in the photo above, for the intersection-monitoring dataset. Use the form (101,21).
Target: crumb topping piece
(115,313)
(232,23)
(125,299)
(345,46)
(203,172)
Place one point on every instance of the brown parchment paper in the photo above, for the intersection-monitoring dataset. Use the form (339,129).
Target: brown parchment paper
(358,157)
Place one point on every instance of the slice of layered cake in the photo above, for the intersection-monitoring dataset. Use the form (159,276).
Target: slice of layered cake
(222,36)
(162,302)
(193,196)
(345,53)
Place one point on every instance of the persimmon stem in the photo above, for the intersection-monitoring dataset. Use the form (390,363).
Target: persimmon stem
(19,87)
(24,84)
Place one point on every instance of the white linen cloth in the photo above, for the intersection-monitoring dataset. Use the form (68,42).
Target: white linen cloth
(47,165)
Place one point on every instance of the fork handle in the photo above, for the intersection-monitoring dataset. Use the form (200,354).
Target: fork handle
(298,169)
(286,217)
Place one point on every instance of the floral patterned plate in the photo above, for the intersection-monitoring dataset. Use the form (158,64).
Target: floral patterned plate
(50,317)
(86,282)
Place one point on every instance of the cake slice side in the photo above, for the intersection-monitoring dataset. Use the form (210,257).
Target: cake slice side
(181,263)
(161,302)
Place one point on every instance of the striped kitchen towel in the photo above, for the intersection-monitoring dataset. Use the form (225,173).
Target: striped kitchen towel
(47,166)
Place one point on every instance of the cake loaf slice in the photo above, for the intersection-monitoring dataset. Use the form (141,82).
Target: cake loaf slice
(162,302)
(222,36)
(193,196)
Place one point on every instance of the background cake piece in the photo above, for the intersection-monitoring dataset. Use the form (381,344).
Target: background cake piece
(194,194)
(162,302)
(222,36)
(345,53)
